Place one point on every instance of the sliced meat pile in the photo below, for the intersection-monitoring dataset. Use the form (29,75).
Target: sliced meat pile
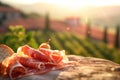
(28,61)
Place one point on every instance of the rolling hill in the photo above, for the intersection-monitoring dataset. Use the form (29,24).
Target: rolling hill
(99,15)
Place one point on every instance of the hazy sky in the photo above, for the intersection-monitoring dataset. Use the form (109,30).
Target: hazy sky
(69,3)
(83,9)
(67,7)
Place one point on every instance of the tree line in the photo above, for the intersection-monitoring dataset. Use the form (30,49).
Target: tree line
(105,34)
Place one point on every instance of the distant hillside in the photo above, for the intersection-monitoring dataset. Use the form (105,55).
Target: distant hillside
(5,5)
(107,15)
(23,14)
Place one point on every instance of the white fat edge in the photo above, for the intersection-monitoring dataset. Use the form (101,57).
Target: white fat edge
(53,68)
(51,58)
(65,59)
(62,53)
(19,52)
(41,66)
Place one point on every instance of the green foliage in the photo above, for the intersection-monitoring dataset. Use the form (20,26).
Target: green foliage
(5,5)
(47,23)
(117,37)
(33,15)
(75,45)
(70,42)
(30,15)
(88,31)
(17,36)
(105,34)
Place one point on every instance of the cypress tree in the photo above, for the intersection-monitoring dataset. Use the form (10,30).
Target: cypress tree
(105,34)
(88,30)
(47,22)
(47,31)
(117,37)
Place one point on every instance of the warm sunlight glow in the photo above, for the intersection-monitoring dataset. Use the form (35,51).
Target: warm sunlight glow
(67,7)
(70,3)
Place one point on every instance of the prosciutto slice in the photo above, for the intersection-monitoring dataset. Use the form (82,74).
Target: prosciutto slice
(29,61)
(17,70)
(54,55)
(12,68)
(32,63)
(28,51)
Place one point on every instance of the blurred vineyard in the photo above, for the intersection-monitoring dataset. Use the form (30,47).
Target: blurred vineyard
(76,45)
(72,43)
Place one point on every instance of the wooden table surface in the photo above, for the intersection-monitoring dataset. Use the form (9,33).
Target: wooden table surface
(88,68)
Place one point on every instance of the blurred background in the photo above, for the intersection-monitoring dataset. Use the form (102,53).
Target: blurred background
(88,28)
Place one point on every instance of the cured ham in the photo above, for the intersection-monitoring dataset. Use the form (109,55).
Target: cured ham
(30,52)
(45,45)
(12,68)
(32,63)
(54,55)
(6,64)
(17,70)
(29,61)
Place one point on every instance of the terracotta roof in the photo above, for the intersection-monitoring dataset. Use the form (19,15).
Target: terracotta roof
(58,25)
(35,23)
(8,9)
(28,23)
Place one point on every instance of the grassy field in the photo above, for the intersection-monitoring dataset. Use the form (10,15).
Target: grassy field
(77,45)
(72,43)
